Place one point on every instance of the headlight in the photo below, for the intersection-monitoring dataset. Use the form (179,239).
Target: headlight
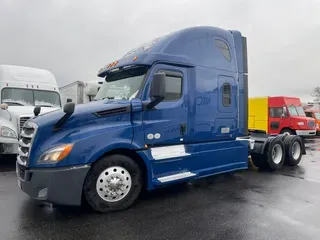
(8,132)
(300,123)
(55,154)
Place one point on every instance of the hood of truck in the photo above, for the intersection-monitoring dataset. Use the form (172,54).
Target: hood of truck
(88,111)
(92,126)
(11,117)
(306,120)
(301,118)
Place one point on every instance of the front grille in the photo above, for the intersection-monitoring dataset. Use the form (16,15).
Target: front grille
(311,124)
(22,121)
(21,171)
(27,134)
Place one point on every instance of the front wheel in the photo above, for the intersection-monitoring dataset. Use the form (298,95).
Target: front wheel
(113,184)
(287,132)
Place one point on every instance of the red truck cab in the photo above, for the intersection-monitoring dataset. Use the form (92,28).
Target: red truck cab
(315,114)
(286,115)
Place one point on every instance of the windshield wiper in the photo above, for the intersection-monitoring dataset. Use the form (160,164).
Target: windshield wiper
(13,102)
(108,98)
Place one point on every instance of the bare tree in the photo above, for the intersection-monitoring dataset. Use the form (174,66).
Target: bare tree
(316,92)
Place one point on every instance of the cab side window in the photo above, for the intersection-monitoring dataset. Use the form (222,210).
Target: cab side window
(173,88)
(275,112)
(226,94)
(174,84)
(224,49)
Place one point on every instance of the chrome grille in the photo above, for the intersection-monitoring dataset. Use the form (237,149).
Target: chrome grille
(22,121)
(20,170)
(25,142)
(311,124)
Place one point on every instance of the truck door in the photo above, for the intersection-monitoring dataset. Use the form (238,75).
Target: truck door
(278,119)
(167,123)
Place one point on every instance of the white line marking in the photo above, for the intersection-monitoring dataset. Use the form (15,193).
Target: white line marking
(311,180)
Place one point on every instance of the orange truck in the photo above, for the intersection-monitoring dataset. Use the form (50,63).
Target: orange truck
(315,114)
(279,115)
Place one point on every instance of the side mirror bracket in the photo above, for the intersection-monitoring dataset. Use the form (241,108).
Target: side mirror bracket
(69,110)
(154,102)
(36,110)
(284,112)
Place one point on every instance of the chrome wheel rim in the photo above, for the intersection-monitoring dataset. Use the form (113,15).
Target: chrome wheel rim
(276,154)
(113,184)
(296,150)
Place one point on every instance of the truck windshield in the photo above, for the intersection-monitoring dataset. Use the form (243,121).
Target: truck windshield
(296,111)
(123,84)
(317,115)
(30,97)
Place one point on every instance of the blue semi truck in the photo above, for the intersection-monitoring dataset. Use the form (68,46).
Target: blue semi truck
(171,110)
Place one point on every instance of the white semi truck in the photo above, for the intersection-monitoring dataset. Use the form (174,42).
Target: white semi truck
(21,89)
(79,91)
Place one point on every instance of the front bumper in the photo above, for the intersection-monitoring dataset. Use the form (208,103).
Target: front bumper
(8,145)
(306,132)
(62,186)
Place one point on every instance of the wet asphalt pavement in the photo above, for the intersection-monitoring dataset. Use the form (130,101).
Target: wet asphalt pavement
(242,205)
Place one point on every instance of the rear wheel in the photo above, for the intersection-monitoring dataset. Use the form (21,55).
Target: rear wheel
(293,150)
(275,154)
(113,184)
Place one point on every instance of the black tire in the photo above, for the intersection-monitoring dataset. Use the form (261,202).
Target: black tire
(293,150)
(90,190)
(287,131)
(282,137)
(275,154)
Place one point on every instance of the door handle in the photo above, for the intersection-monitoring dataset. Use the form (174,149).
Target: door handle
(183,128)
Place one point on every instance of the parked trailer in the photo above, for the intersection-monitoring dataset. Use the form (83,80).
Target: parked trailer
(80,91)
(182,115)
(21,89)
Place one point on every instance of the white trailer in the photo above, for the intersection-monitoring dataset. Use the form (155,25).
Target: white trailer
(21,89)
(79,92)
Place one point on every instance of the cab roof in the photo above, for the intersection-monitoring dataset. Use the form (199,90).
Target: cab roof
(25,75)
(187,47)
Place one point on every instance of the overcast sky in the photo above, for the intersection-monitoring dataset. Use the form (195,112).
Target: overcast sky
(75,38)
